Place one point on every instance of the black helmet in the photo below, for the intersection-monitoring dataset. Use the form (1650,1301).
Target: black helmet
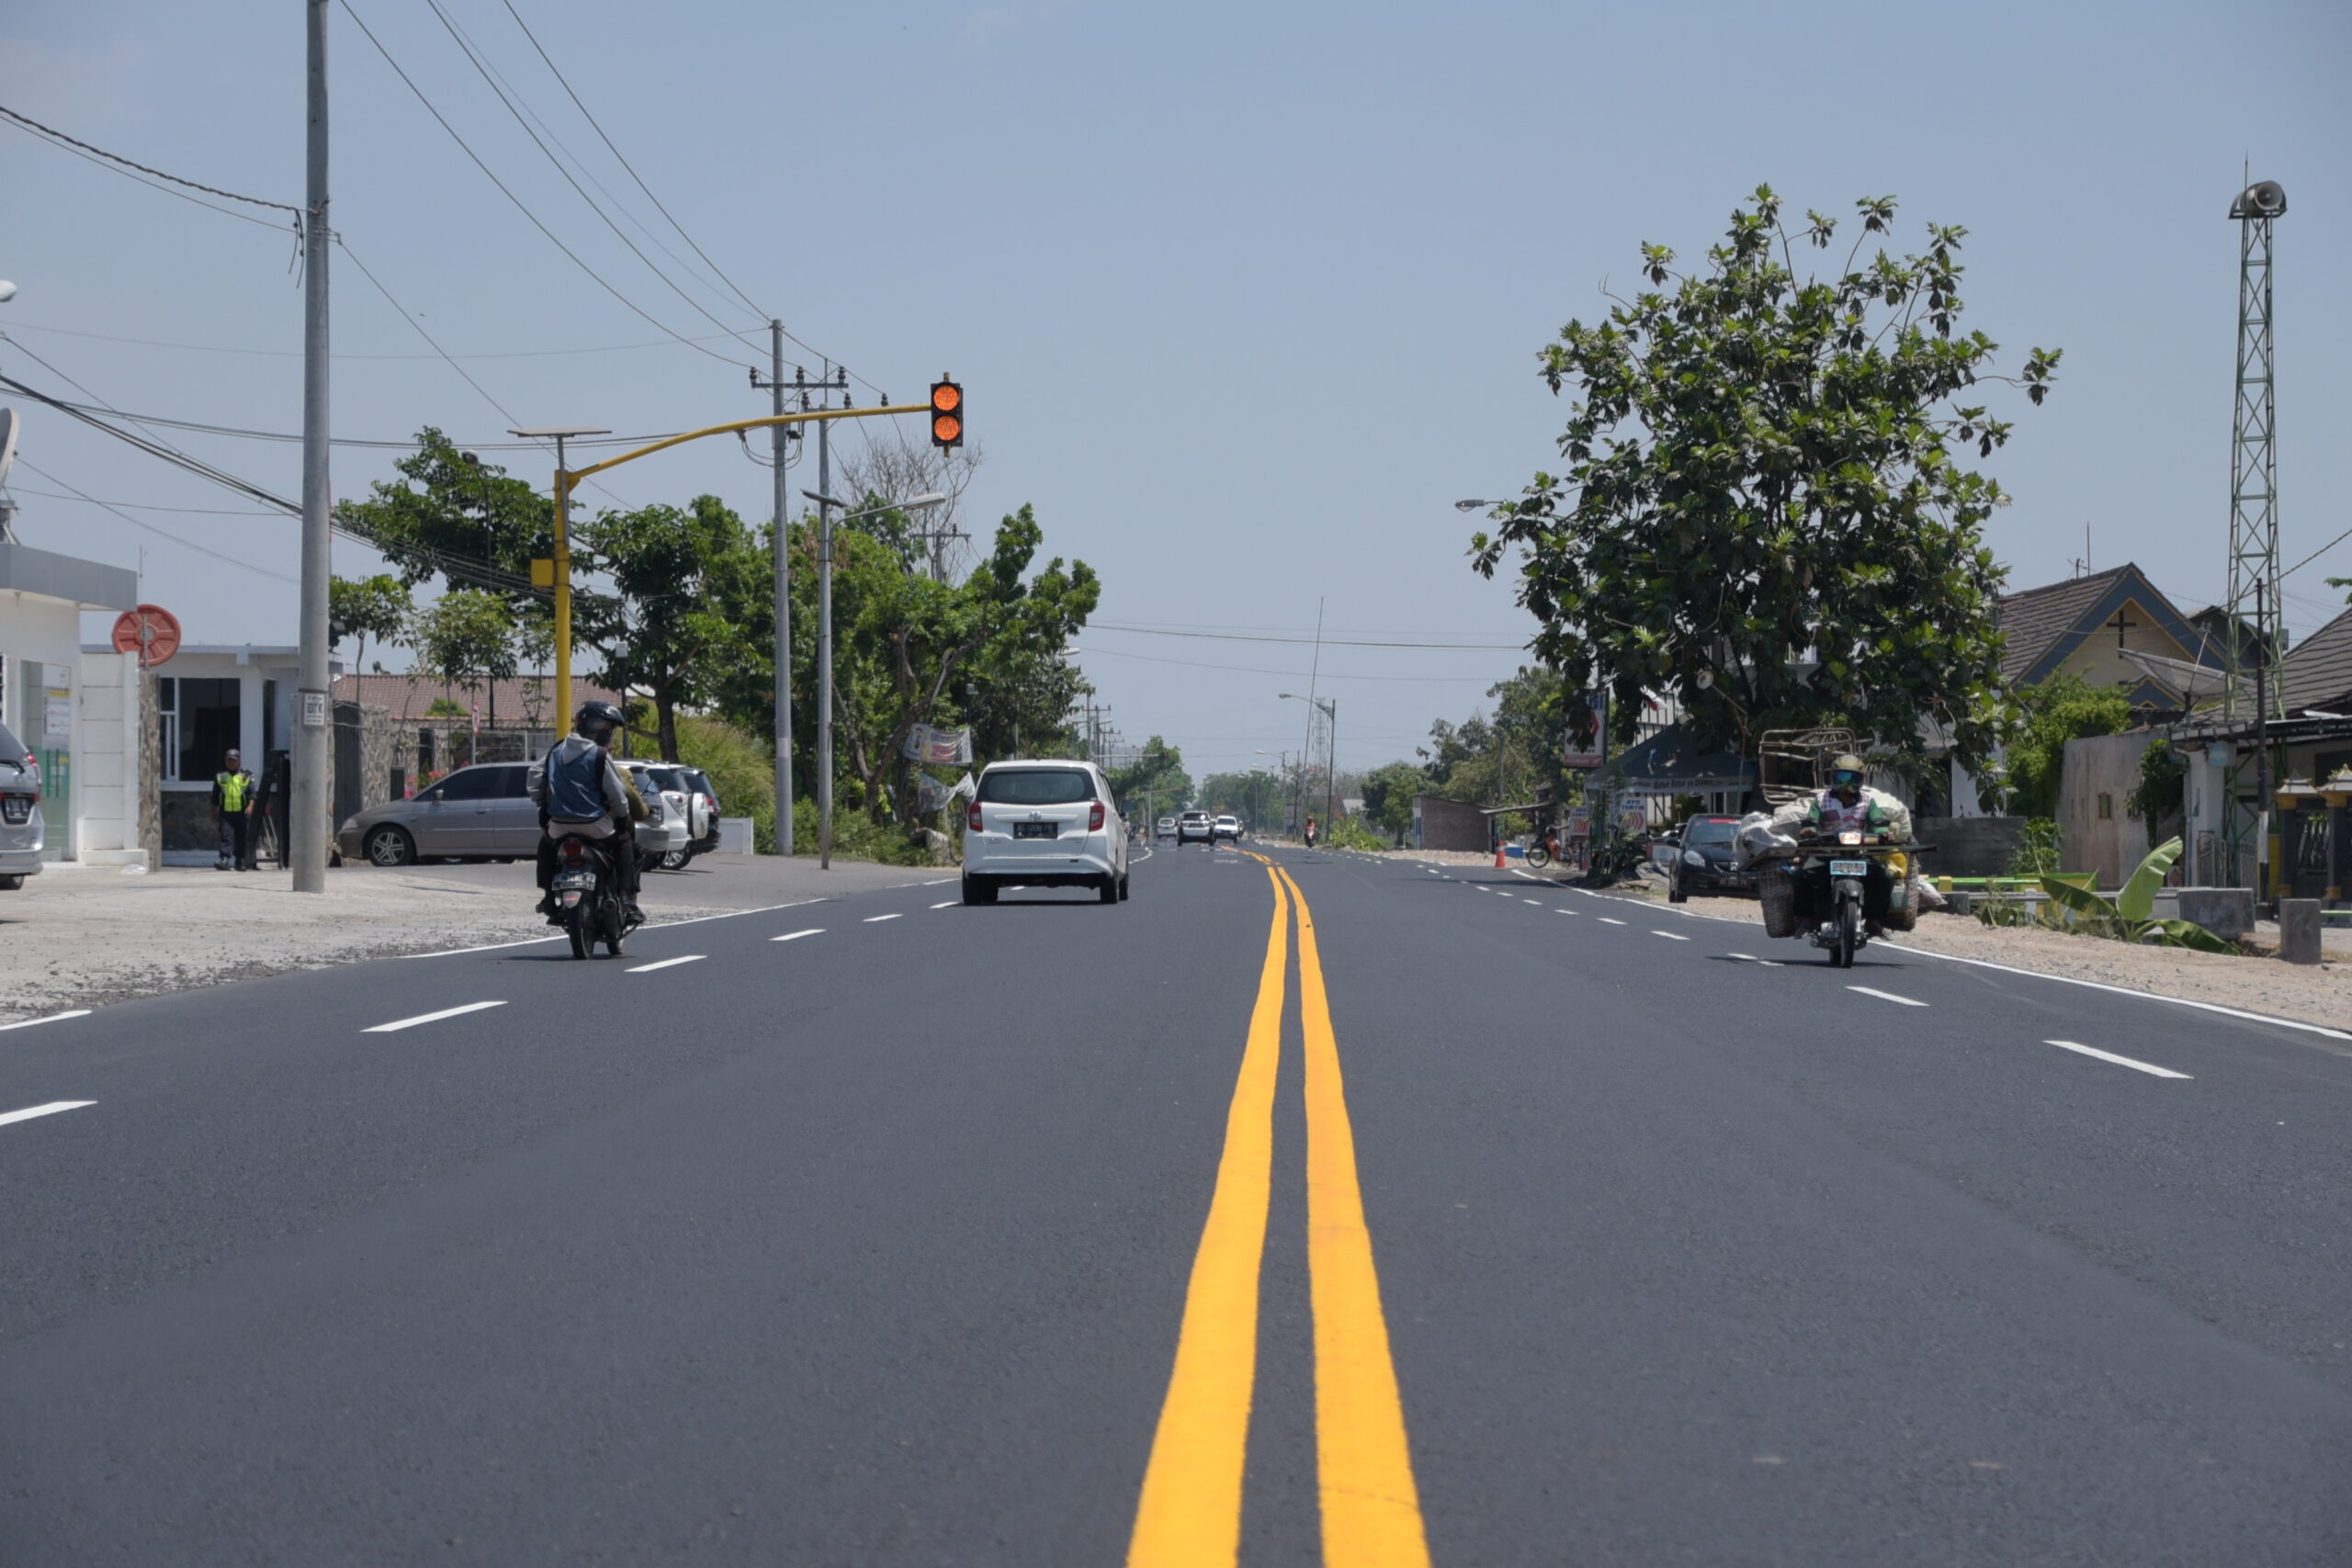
(597,721)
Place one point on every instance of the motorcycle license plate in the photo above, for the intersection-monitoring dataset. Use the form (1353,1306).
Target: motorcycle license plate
(1037,830)
(575,882)
(1850,868)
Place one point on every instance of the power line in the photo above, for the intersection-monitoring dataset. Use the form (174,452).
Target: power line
(148,506)
(297,354)
(1292,675)
(572,256)
(55,135)
(161,533)
(625,163)
(465,47)
(1426,647)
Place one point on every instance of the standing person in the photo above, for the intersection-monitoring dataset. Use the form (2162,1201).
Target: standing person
(233,807)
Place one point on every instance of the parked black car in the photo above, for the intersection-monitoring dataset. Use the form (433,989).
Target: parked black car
(1703,860)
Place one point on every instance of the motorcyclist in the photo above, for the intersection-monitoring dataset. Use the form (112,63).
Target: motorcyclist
(1310,833)
(1847,805)
(579,792)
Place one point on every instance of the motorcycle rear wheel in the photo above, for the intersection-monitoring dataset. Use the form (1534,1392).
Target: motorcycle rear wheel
(575,926)
(612,928)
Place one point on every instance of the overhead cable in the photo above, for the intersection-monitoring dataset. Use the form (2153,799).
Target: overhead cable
(569,255)
(1426,647)
(297,354)
(149,527)
(56,135)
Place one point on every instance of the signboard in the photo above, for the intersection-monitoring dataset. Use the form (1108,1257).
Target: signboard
(1586,744)
(1580,821)
(1634,821)
(57,715)
(938,748)
(150,631)
(315,710)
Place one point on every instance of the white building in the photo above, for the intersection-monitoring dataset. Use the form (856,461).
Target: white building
(76,708)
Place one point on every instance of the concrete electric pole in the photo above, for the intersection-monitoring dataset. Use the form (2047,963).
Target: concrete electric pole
(307,827)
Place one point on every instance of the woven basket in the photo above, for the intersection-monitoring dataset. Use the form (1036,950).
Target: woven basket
(1778,894)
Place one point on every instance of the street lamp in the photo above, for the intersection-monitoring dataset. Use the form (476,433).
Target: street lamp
(1477,505)
(825,507)
(560,567)
(1330,708)
(7,291)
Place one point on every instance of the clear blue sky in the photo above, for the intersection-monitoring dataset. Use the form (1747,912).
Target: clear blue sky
(1244,297)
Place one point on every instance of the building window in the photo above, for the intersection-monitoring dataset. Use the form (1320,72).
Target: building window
(2105,807)
(201,718)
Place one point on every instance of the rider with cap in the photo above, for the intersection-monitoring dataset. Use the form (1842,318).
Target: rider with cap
(579,792)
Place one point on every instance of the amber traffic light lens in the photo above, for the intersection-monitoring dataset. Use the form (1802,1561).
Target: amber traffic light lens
(946,428)
(947,397)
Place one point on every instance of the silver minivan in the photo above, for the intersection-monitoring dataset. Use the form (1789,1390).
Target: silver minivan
(20,823)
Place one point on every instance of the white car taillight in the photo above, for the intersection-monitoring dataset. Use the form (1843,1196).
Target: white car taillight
(972,822)
(1094,817)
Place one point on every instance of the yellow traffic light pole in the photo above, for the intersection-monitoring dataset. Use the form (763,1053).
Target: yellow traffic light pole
(566,479)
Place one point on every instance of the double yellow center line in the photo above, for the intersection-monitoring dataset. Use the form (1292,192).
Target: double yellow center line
(1190,1515)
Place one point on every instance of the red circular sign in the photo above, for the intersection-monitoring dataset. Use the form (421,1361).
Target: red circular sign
(150,631)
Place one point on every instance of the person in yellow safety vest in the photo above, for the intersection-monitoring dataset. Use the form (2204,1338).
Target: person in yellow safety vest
(233,807)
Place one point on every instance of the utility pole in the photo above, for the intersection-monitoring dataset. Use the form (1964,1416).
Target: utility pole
(824,643)
(778,438)
(307,822)
(1331,770)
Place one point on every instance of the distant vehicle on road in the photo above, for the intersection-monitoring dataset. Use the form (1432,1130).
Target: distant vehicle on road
(1046,823)
(20,823)
(1228,827)
(1195,827)
(666,835)
(1166,828)
(702,812)
(1704,859)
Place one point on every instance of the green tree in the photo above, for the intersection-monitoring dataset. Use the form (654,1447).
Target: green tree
(472,522)
(688,585)
(1388,797)
(1762,514)
(1155,785)
(377,606)
(2053,713)
(466,638)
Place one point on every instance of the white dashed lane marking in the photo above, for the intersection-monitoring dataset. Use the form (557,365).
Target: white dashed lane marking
(871,920)
(667,964)
(2148,1068)
(399,1023)
(1886,996)
(948,905)
(51,1109)
(796,936)
(1670,936)
(1607,921)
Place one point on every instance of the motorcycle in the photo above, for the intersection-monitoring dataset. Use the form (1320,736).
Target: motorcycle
(1842,887)
(587,896)
(1543,848)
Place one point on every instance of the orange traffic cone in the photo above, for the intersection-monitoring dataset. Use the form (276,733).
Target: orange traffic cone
(1499,856)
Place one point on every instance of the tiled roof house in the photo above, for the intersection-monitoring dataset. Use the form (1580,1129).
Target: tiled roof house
(2084,626)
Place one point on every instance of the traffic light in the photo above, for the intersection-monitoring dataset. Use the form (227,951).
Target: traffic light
(946,414)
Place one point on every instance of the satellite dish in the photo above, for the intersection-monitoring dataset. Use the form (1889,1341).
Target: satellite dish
(8,423)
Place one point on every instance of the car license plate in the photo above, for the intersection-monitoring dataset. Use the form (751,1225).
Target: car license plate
(1037,830)
(1850,868)
(16,808)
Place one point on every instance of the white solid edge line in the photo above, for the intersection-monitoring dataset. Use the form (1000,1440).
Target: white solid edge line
(872,919)
(2128,991)
(1887,996)
(52,1018)
(796,936)
(428,1018)
(2119,1060)
(51,1109)
(665,964)
(1670,936)
(650,925)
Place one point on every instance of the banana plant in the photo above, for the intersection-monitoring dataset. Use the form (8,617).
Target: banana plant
(2129,913)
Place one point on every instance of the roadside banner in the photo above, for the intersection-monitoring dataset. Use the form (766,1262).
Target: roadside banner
(937,748)
(1585,743)
(1580,821)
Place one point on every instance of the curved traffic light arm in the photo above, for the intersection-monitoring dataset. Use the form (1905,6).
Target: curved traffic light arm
(566,479)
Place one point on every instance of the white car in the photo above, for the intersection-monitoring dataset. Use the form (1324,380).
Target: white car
(670,827)
(1228,826)
(1167,829)
(1047,823)
(1196,827)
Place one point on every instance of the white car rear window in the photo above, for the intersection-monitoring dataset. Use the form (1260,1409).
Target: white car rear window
(1035,786)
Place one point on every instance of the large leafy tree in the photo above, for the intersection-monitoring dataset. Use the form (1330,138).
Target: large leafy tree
(1155,783)
(1762,513)
(1388,794)
(689,585)
(471,522)
(467,638)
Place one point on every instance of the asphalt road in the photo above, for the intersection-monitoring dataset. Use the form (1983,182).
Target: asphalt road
(1453,1219)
